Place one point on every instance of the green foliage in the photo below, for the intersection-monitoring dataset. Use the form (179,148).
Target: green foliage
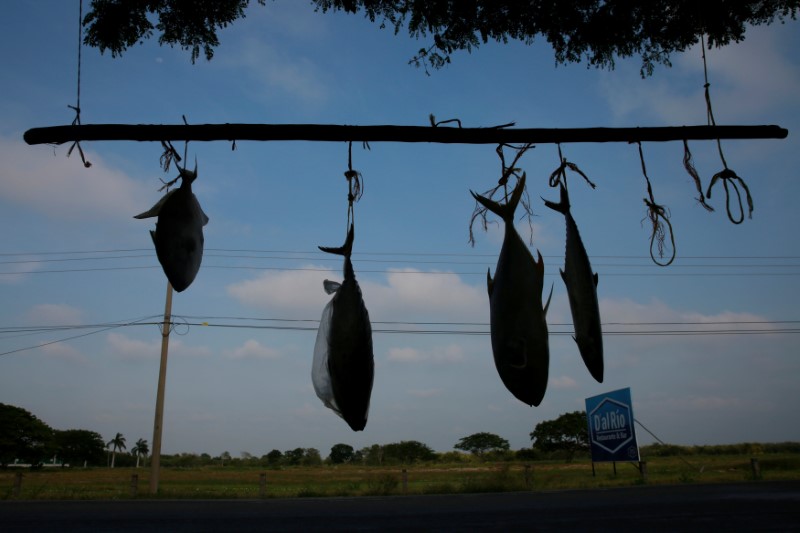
(79,446)
(341,453)
(594,31)
(274,457)
(23,437)
(480,443)
(568,433)
(117,25)
(407,452)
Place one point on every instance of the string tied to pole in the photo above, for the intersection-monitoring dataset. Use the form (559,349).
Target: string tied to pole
(559,175)
(77,107)
(659,218)
(355,184)
(726,175)
(506,172)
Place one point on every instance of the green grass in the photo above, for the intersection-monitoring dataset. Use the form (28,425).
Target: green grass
(352,480)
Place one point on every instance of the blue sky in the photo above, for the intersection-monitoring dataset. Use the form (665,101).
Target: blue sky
(73,255)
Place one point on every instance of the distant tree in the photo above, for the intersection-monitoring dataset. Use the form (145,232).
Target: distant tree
(407,452)
(79,446)
(23,437)
(224,456)
(569,433)
(117,443)
(595,31)
(294,457)
(140,449)
(274,457)
(372,455)
(480,443)
(341,453)
(311,457)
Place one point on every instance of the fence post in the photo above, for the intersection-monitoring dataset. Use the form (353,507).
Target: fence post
(405,481)
(17,484)
(134,485)
(755,468)
(643,470)
(262,485)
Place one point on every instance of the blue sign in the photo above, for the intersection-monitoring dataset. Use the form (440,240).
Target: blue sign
(611,433)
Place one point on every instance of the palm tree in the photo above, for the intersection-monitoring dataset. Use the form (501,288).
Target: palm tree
(117,443)
(140,449)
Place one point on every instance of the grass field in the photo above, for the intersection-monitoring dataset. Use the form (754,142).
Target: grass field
(353,480)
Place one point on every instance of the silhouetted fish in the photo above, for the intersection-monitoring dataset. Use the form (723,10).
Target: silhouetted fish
(178,236)
(343,367)
(582,291)
(519,330)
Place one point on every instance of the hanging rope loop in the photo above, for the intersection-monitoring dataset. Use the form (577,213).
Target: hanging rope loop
(726,175)
(659,219)
(355,184)
(729,176)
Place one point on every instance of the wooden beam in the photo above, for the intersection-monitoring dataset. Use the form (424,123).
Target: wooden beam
(389,133)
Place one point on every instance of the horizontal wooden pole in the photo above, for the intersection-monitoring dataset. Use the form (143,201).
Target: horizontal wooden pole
(387,133)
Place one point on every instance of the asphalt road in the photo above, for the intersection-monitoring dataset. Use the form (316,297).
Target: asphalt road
(757,506)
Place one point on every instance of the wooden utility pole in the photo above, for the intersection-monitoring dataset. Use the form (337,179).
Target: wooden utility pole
(158,423)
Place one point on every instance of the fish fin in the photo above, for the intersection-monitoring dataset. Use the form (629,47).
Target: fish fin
(547,305)
(156,209)
(563,205)
(331,286)
(489,282)
(345,249)
(596,279)
(504,211)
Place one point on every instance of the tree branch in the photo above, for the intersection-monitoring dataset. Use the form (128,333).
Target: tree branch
(389,133)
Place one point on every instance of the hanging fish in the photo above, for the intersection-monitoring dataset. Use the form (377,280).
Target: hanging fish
(581,285)
(518,327)
(178,236)
(343,367)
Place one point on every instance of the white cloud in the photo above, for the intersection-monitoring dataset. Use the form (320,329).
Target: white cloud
(55,315)
(133,349)
(748,79)
(563,382)
(287,291)
(424,393)
(17,272)
(252,349)
(295,76)
(61,188)
(64,352)
(405,293)
(414,291)
(452,353)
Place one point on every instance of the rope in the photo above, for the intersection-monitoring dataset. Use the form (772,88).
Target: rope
(688,164)
(355,186)
(77,107)
(559,175)
(659,217)
(726,175)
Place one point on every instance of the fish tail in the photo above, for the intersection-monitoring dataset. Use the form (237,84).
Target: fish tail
(504,211)
(563,205)
(345,249)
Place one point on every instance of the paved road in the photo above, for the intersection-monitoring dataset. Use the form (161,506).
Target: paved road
(760,506)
